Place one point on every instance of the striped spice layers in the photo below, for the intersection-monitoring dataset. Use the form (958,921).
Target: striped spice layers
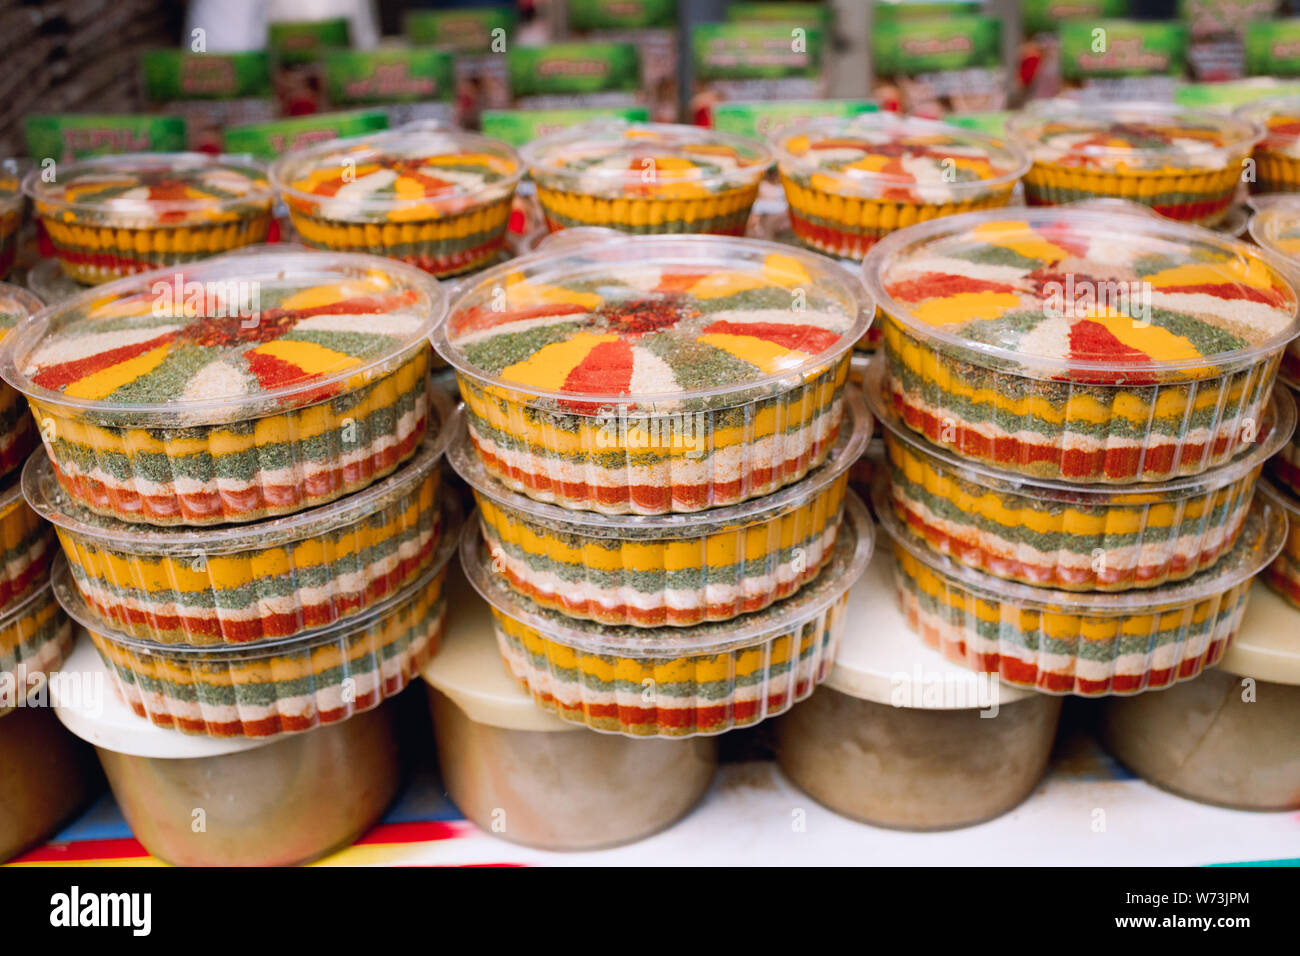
(1276,227)
(1073,537)
(17,431)
(1183,164)
(256,582)
(26,548)
(676,682)
(851,181)
(669,570)
(1053,347)
(647,178)
(157,415)
(119,215)
(317,677)
(439,200)
(710,372)
(1283,575)
(1277,155)
(1284,467)
(35,635)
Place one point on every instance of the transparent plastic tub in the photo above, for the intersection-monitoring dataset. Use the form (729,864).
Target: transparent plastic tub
(27,544)
(1277,154)
(49,283)
(1284,467)
(647,177)
(850,181)
(1072,536)
(114,216)
(1185,164)
(1088,644)
(35,635)
(1053,345)
(12,202)
(675,682)
(1275,226)
(654,374)
(242,584)
(434,197)
(235,389)
(1283,575)
(317,677)
(666,570)
(17,432)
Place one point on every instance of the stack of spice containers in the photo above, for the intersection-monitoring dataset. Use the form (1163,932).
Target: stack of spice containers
(1277,154)
(658,433)
(1073,412)
(241,461)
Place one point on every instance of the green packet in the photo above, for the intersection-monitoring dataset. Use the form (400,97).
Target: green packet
(1109,48)
(517,127)
(992,123)
(68,136)
(175,75)
(1218,17)
(573,69)
(1044,16)
(1230,94)
(393,75)
(587,15)
(893,11)
(1273,48)
(909,47)
(478,30)
(269,140)
(794,14)
(293,42)
(760,120)
(743,51)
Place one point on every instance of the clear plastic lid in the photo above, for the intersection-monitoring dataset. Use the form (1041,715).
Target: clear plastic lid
(1275,226)
(1279,117)
(226,339)
(616,159)
(50,283)
(853,547)
(884,155)
(1267,437)
(1262,536)
(16,304)
(403,175)
(1132,137)
(1061,294)
(12,171)
(66,593)
(48,499)
(852,442)
(653,324)
(1114,204)
(159,189)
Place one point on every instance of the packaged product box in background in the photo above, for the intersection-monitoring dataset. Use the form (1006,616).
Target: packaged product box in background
(562,76)
(741,62)
(479,39)
(991,124)
(212,91)
(1216,28)
(517,127)
(266,141)
(297,72)
(935,66)
(1117,61)
(1273,49)
(1038,74)
(761,120)
(1227,96)
(650,26)
(67,136)
(408,83)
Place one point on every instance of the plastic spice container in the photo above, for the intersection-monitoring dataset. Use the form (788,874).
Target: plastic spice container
(1283,575)
(647,177)
(114,216)
(1228,737)
(531,778)
(34,637)
(1184,164)
(895,736)
(661,570)
(236,389)
(1065,642)
(237,584)
(1275,226)
(1277,155)
(28,546)
(851,181)
(17,433)
(11,214)
(1071,536)
(1053,345)
(435,198)
(317,677)
(195,801)
(1284,467)
(652,374)
(675,681)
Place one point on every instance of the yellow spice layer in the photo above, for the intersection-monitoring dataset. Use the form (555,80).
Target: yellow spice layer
(699,212)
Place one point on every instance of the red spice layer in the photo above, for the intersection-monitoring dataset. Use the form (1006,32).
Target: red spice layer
(255,501)
(657,499)
(17,587)
(117,262)
(842,241)
(1282,582)
(17,444)
(1184,212)
(553,225)
(456,262)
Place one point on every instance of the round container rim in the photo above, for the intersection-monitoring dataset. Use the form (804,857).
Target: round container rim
(633,642)
(23,607)
(711,250)
(286,266)
(24,299)
(1066,370)
(1284,499)
(1257,111)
